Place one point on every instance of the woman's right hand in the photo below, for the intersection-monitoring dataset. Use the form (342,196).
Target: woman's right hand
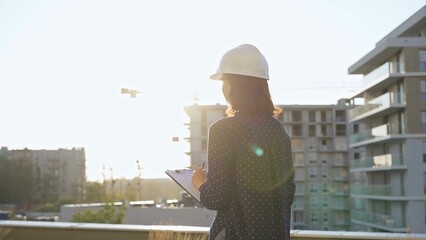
(199,177)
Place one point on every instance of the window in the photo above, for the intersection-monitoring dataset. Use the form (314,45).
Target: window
(323,116)
(299,173)
(340,174)
(312,144)
(297,144)
(323,130)
(341,143)
(324,187)
(338,159)
(313,202)
(424,151)
(314,216)
(298,217)
(324,172)
(341,115)
(338,188)
(313,172)
(324,158)
(357,156)
(313,187)
(300,188)
(324,145)
(299,203)
(356,128)
(340,217)
(325,201)
(424,183)
(423,90)
(422,60)
(296,130)
(312,158)
(341,130)
(298,159)
(424,120)
(312,131)
(311,116)
(358,203)
(339,202)
(296,116)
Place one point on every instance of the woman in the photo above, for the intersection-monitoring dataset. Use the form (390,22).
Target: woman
(250,170)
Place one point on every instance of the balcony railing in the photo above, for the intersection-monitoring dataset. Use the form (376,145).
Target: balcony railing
(379,73)
(378,190)
(377,162)
(376,133)
(384,71)
(383,102)
(380,220)
(69,231)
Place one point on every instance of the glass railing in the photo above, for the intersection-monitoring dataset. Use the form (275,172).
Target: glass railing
(375,133)
(340,205)
(378,219)
(338,188)
(378,190)
(383,101)
(379,73)
(386,160)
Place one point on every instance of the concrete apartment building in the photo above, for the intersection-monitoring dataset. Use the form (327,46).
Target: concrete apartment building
(319,135)
(56,174)
(389,188)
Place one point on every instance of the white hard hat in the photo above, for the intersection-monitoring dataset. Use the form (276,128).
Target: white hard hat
(244,60)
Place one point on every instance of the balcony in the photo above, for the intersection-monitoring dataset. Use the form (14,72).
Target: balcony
(92,231)
(378,163)
(379,221)
(340,206)
(378,74)
(377,191)
(384,104)
(385,132)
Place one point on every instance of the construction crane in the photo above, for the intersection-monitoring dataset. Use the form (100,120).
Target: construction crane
(132,92)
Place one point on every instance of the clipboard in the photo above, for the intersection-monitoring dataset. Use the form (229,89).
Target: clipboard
(183,177)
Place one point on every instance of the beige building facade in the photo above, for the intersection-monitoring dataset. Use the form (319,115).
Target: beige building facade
(389,184)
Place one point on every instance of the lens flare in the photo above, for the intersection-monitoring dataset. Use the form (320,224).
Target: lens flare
(257,150)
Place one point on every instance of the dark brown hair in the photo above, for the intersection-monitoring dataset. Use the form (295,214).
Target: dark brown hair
(249,95)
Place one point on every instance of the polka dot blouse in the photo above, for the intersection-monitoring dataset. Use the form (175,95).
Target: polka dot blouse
(250,178)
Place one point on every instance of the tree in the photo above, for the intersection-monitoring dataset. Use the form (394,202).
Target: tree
(108,214)
(95,192)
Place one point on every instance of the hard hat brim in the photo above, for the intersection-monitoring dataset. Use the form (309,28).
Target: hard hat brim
(216,76)
(219,76)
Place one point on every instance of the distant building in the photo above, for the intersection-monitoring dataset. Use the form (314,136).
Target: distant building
(54,174)
(157,189)
(201,117)
(389,189)
(320,154)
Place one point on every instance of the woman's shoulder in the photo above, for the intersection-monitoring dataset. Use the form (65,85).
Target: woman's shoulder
(223,122)
(246,120)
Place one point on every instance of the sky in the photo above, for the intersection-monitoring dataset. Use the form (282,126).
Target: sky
(63,64)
